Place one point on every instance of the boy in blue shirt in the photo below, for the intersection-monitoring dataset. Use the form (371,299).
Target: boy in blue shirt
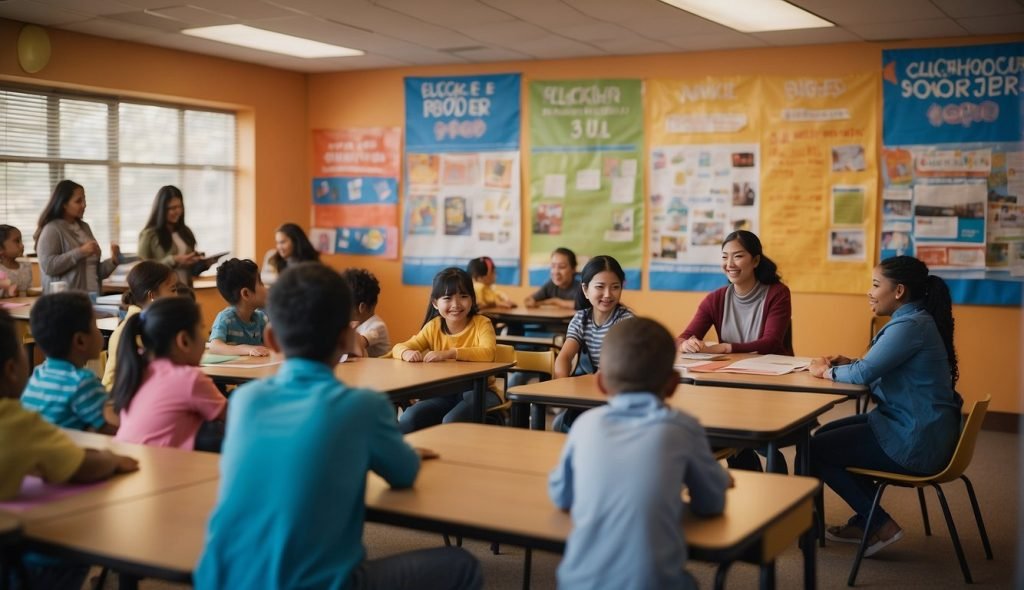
(623,468)
(238,328)
(293,469)
(61,389)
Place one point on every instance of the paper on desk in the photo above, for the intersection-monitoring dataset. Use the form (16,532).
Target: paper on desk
(768,364)
(215,359)
(10,305)
(702,356)
(249,365)
(690,364)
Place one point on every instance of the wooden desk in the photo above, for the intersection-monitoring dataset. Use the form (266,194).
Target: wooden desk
(554,318)
(22,314)
(731,416)
(798,381)
(493,447)
(400,380)
(121,285)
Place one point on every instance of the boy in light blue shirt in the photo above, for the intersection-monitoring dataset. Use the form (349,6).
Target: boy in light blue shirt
(61,389)
(624,466)
(293,467)
(238,328)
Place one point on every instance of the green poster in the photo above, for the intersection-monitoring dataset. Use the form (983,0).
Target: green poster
(586,142)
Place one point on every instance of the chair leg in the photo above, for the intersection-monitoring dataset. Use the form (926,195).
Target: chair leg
(867,534)
(952,533)
(924,512)
(495,549)
(977,517)
(527,565)
(723,569)
(819,516)
(101,580)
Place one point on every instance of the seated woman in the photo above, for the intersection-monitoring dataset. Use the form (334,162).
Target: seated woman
(912,371)
(290,246)
(166,238)
(750,314)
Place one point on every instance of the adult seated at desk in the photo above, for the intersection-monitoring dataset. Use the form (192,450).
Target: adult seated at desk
(291,246)
(622,467)
(561,288)
(318,438)
(752,313)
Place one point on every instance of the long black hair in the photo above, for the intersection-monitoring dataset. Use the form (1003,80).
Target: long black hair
(933,292)
(158,219)
(478,268)
(302,249)
(450,281)
(766,271)
(144,278)
(569,254)
(595,265)
(54,209)
(155,329)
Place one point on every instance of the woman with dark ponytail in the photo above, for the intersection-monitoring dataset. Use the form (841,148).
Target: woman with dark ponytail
(161,394)
(752,313)
(912,370)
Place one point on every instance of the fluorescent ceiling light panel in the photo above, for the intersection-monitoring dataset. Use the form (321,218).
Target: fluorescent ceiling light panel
(752,16)
(263,40)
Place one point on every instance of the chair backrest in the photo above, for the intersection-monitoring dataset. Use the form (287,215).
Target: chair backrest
(965,446)
(536,361)
(504,353)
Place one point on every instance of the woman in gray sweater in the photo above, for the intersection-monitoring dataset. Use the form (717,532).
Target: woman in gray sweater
(65,245)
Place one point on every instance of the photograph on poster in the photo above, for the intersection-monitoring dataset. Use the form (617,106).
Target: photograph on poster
(743,194)
(848,158)
(423,168)
(548,219)
(421,214)
(323,239)
(458,219)
(847,205)
(892,208)
(670,247)
(460,170)
(742,159)
(497,172)
(896,240)
(707,233)
(846,244)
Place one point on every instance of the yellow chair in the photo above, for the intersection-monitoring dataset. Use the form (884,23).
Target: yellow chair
(955,470)
(498,414)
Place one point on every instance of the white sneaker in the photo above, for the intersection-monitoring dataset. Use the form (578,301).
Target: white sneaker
(888,534)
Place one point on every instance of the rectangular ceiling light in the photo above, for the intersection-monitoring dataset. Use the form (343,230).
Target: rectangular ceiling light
(254,38)
(752,16)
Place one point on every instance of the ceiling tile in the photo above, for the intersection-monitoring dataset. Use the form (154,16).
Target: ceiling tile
(145,19)
(555,47)
(847,12)
(112,29)
(545,13)
(27,11)
(243,9)
(971,8)
(192,16)
(505,33)
(808,36)
(921,29)
(715,42)
(449,13)
(595,31)
(994,25)
(491,54)
(633,45)
(91,7)
(147,4)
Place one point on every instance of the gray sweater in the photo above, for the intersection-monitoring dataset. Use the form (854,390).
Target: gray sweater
(61,260)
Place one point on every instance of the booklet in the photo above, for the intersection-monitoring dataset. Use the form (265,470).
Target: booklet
(768,364)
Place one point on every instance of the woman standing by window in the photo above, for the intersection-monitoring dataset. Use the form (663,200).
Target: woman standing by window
(166,238)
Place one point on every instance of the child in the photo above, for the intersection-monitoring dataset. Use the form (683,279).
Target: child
(452,330)
(317,437)
(61,389)
(148,280)
(30,445)
(483,274)
(238,328)
(562,287)
(371,333)
(622,467)
(160,392)
(599,310)
(15,277)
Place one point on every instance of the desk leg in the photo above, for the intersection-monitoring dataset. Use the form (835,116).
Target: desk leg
(807,546)
(479,388)
(768,576)
(770,459)
(127,582)
(527,566)
(720,573)
(520,415)
(538,416)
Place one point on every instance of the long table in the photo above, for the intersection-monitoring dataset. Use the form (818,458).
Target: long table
(731,416)
(503,500)
(400,380)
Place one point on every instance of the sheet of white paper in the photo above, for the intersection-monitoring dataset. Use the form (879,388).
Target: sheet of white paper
(588,180)
(554,186)
(623,189)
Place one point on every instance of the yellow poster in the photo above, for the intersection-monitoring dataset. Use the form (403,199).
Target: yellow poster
(704,175)
(819,180)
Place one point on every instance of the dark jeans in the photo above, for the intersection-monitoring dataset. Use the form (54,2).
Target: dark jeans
(850,442)
(457,407)
(210,437)
(747,459)
(443,568)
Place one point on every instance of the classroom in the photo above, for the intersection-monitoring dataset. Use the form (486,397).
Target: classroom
(284,125)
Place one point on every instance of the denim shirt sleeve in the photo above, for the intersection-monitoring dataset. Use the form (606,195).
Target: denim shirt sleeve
(561,479)
(893,345)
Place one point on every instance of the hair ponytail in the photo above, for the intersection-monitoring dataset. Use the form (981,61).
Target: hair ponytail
(149,335)
(144,279)
(766,271)
(939,304)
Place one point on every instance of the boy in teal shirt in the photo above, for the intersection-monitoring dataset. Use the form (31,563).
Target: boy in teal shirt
(293,468)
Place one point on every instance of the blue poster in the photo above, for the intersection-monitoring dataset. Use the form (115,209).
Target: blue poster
(461,179)
(953,152)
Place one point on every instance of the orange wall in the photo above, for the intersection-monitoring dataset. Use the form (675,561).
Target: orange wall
(271,106)
(823,324)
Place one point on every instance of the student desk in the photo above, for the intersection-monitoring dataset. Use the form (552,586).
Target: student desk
(731,416)
(556,317)
(22,313)
(797,381)
(400,380)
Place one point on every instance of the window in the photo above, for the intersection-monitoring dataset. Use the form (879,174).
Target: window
(122,152)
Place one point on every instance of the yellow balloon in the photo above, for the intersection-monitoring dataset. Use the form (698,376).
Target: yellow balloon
(33,48)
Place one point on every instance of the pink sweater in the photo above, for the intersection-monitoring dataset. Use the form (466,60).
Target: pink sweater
(778,316)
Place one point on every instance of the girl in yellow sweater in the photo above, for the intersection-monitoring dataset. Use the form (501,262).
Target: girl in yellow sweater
(452,330)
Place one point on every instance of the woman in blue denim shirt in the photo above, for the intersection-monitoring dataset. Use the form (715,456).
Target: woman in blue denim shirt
(912,370)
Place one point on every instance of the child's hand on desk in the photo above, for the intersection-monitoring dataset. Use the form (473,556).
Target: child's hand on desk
(505,304)
(412,356)
(426,454)
(258,351)
(692,344)
(125,464)
(439,355)
(838,360)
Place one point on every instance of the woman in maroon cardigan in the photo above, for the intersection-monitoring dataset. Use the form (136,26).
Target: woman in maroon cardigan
(750,314)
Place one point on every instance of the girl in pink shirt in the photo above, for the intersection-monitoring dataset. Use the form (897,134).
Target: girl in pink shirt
(161,394)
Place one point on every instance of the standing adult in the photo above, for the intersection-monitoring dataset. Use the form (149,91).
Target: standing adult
(291,246)
(166,238)
(68,252)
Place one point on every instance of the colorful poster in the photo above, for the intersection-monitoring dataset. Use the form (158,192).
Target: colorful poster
(819,180)
(355,191)
(586,156)
(953,166)
(704,176)
(461,175)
